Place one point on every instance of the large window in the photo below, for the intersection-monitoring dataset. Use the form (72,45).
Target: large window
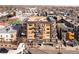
(30,28)
(0,35)
(1,45)
(5,45)
(9,45)
(48,32)
(30,36)
(10,39)
(30,24)
(47,28)
(11,35)
(6,35)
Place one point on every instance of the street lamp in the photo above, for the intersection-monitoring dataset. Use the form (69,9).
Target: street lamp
(60,43)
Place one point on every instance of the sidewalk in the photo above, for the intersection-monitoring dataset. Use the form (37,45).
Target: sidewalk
(47,47)
(72,48)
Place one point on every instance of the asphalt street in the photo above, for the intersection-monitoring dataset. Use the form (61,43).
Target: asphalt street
(38,51)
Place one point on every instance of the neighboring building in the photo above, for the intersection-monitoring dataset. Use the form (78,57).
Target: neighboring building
(7,35)
(31,11)
(3,18)
(3,24)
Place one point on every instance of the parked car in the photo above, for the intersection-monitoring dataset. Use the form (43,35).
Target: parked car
(3,50)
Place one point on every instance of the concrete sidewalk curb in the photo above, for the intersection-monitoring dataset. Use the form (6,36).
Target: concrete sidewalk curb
(76,48)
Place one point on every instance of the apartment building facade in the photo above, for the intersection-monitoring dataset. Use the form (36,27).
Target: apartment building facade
(8,37)
(39,29)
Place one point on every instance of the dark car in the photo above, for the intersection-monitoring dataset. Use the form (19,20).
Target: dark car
(3,50)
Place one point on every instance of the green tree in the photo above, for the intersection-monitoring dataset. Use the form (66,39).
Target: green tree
(16,22)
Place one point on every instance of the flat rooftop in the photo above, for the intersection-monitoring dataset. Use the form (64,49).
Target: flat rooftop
(37,18)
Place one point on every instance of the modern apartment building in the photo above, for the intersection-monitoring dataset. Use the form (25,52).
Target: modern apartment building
(39,28)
